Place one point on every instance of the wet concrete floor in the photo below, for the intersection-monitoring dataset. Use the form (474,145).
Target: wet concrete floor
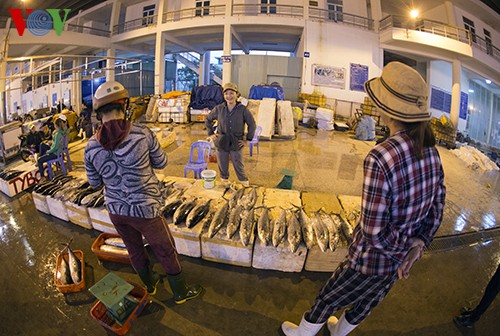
(246,301)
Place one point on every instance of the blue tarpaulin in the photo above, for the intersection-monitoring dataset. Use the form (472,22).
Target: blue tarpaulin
(266,91)
(206,96)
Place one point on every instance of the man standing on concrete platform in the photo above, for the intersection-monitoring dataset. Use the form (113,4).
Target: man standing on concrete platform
(230,140)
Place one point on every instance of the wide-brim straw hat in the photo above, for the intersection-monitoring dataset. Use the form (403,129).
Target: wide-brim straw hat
(400,93)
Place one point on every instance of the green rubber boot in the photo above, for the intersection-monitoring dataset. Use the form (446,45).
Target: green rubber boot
(183,292)
(150,278)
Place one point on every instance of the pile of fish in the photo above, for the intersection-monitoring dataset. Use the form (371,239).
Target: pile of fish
(9,174)
(70,271)
(114,245)
(68,188)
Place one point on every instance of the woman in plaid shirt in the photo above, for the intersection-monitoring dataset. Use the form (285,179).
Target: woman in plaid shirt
(402,207)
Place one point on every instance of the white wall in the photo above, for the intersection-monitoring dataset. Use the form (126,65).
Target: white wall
(135,11)
(440,76)
(437,13)
(338,45)
(478,25)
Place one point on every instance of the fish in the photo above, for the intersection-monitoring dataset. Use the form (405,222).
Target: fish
(114,249)
(346,229)
(171,207)
(333,230)
(321,231)
(219,219)
(75,265)
(207,219)
(279,229)
(8,175)
(115,241)
(183,210)
(197,213)
(63,273)
(234,220)
(85,200)
(294,233)
(264,229)
(233,201)
(97,202)
(307,229)
(246,227)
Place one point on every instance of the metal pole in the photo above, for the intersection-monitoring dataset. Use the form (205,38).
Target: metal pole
(140,78)
(60,85)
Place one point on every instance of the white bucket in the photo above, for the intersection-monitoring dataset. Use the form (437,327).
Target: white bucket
(208,177)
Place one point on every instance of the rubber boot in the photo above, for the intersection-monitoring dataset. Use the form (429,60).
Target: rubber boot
(340,327)
(305,328)
(150,278)
(182,292)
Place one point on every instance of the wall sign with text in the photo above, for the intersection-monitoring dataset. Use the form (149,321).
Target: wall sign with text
(325,75)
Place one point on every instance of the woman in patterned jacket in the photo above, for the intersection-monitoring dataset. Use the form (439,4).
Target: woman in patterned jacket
(402,207)
(121,156)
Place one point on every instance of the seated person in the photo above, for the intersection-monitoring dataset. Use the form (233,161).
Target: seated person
(33,139)
(47,154)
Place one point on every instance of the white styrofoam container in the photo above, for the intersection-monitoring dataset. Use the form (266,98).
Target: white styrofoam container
(57,208)
(278,258)
(187,240)
(318,261)
(99,218)
(18,184)
(40,202)
(227,251)
(78,214)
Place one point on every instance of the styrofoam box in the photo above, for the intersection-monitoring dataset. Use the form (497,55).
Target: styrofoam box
(57,208)
(278,258)
(40,202)
(99,218)
(227,251)
(187,240)
(318,261)
(78,214)
(18,184)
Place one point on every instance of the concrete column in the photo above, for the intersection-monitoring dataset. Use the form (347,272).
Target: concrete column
(160,8)
(204,72)
(4,52)
(306,9)
(229,8)
(110,64)
(490,124)
(159,63)
(226,66)
(455,92)
(450,13)
(76,87)
(115,15)
(376,13)
(201,72)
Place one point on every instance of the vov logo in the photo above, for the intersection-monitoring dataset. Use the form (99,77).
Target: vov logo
(39,22)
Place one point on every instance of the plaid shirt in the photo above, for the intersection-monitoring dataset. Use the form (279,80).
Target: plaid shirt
(403,197)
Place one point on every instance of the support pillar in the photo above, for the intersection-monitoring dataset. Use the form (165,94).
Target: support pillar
(76,87)
(376,13)
(450,13)
(4,52)
(111,52)
(455,92)
(204,72)
(226,66)
(159,64)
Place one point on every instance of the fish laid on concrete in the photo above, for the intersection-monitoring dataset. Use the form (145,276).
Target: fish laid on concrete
(279,229)
(114,249)
(219,219)
(321,231)
(333,230)
(199,211)
(294,233)
(234,220)
(264,229)
(307,228)
(247,226)
(115,241)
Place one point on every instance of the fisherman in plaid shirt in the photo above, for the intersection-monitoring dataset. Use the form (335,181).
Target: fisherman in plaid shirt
(402,207)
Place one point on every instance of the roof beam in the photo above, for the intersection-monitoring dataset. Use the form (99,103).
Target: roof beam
(239,41)
(181,43)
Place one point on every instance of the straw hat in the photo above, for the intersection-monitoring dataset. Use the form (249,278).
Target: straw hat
(400,93)
(230,86)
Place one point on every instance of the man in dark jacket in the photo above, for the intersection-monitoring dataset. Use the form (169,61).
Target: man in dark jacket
(230,140)
(33,139)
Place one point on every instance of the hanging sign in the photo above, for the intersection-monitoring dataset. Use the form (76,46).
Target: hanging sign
(359,75)
(226,58)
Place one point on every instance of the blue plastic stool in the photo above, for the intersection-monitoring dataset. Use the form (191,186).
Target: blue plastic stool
(255,140)
(200,163)
(59,160)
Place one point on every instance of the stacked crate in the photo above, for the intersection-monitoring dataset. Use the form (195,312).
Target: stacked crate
(444,131)
(173,109)
(199,115)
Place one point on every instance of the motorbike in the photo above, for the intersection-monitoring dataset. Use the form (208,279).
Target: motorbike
(27,153)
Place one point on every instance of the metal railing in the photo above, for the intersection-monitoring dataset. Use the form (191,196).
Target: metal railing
(190,13)
(340,17)
(268,9)
(486,46)
(191,58)
(143,22)
(88,30)
(428,26)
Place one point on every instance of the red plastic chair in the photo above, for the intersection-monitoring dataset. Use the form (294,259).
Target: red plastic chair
(199,162)
(255,140)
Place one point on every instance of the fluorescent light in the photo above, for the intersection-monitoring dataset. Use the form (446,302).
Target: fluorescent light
(414,13)
(487,81)
(471,91)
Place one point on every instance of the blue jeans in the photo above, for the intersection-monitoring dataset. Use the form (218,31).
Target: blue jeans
(42,160)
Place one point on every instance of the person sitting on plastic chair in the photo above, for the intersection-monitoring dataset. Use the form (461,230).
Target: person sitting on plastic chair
(48,154)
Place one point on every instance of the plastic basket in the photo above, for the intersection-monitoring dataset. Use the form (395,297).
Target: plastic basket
(71,288)
(99,312)
(108,256)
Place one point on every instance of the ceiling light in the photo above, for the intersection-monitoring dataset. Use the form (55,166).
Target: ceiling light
(414,13)
(471,91)
(487,81)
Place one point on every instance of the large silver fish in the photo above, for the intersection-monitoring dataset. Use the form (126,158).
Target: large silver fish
(249,199)
(279,229)
(321,231)
(233,201)
(207,219)
(333,230)
(346,228)
(90,197)
(183,210)
(63,273)
(115,241)
(234,220)
(218,220)
(294,232)
(75,266)
(307,229)
(264,229)
(246,227)
(114,249)
(199,211)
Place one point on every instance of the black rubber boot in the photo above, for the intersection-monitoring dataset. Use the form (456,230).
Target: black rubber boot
(182,292)
(465,319)
(150,278)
